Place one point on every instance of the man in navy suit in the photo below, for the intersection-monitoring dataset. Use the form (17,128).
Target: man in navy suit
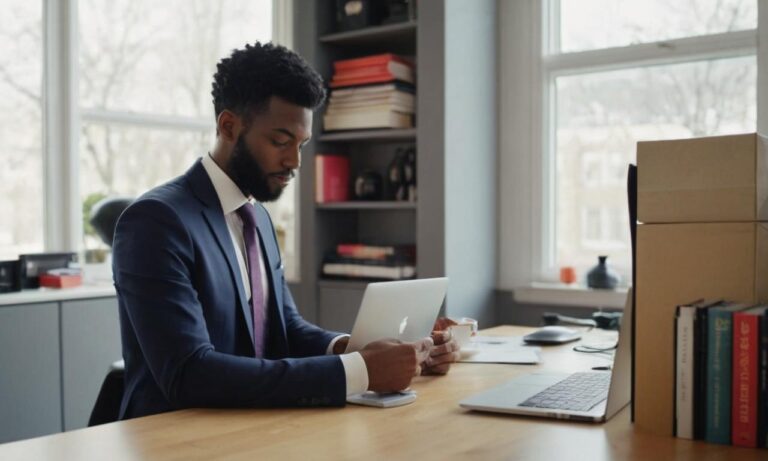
(206,316)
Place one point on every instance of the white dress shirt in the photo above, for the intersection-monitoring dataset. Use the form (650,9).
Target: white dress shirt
(231,198)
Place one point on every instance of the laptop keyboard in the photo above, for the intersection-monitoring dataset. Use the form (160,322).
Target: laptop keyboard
(578,392)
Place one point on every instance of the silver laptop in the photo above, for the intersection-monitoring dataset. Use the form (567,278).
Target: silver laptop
(587,396)
(404,310)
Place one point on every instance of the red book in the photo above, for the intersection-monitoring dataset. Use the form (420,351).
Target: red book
(331,178)
(373,60)
(379,78)
(745,369)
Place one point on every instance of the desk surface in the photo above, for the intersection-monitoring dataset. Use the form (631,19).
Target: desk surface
(433,427)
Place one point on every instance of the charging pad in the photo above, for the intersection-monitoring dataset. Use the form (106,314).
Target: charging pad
(387,400)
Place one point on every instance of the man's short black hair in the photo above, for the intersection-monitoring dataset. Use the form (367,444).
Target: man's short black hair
(245,80)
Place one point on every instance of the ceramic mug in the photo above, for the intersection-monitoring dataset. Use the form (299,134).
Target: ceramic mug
(463,331)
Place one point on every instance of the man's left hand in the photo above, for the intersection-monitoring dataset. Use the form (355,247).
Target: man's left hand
(444,353)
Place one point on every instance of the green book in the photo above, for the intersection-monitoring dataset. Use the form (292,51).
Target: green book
(718,372)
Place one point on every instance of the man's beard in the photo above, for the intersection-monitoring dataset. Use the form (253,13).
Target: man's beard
(248,174)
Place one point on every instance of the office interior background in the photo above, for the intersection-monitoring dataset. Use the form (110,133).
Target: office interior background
(529,128)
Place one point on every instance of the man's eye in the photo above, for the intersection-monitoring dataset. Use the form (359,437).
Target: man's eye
(279,144)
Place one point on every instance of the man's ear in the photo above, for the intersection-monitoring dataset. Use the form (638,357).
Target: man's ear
(228,126)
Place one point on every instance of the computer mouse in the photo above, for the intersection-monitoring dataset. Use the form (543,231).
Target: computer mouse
(552,334)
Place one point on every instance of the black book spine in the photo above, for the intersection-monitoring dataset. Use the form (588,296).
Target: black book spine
(700,374)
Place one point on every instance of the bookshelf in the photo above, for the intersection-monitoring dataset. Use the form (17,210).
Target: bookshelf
(445,167)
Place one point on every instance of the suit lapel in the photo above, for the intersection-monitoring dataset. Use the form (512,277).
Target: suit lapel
(273,262)
(203,188)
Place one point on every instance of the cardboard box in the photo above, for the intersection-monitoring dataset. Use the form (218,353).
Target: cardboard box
(677,264)
(716,179)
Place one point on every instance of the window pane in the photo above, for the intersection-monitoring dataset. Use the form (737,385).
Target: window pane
(159,56)
(21,175)
(592,24)
(600,118)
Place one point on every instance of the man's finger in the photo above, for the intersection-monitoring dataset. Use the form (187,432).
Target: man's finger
(441,337)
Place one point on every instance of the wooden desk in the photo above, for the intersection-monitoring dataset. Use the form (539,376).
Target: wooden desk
(433,427)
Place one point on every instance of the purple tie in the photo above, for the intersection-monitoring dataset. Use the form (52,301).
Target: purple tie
(248,214)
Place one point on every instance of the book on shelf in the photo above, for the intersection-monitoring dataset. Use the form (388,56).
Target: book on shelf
(379,252)
(373,90)
(331,178)
(369,61)
(386,269)
(745,373)
(396,70)
(718,372)
(684,327)
(367,119)
(390,97)
(343,109)
(383,262)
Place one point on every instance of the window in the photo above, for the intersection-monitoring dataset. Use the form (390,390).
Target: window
(582,81)
(145,72)
(141,74)
(21,128)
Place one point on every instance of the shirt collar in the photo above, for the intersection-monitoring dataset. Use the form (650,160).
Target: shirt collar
(230,196)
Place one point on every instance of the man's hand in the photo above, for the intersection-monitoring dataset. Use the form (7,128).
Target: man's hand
(392,364)
(446,350)
(341,345)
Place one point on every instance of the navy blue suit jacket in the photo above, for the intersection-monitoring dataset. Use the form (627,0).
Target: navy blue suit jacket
(186,325)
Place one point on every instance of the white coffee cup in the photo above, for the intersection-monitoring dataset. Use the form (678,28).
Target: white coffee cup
(463,331)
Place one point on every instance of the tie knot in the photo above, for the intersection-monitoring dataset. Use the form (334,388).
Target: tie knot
(248,214)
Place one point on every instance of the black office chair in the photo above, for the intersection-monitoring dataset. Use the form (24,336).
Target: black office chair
(103,218)
(107,406)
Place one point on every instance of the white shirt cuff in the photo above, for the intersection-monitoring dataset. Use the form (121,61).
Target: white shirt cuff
(329,349)
(356,373)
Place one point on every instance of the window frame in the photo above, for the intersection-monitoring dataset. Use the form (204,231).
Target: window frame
(527,156)
(63,118)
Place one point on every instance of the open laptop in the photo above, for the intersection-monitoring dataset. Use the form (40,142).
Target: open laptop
(586,396)
(404,310)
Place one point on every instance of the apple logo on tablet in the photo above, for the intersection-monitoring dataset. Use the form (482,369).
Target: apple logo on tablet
(403,324)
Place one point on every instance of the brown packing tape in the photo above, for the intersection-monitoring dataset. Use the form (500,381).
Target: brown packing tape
(732,204)
(677,263)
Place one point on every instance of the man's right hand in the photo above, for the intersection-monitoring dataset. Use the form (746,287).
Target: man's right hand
(392,364)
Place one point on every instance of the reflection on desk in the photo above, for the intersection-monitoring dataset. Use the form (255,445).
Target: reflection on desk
(433,427)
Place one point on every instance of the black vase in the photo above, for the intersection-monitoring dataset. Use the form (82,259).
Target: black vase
(602,276)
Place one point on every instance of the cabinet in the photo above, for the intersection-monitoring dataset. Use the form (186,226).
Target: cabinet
(54,356)
(453,221)
(90,342)
(30,373)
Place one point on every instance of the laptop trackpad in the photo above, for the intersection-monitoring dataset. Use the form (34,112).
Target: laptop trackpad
(517,390)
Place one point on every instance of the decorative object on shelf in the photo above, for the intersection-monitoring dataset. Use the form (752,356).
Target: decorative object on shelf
(399,11)
(601,276)
(401,175)
(356,14)
(368,185)
(567,275)
(331,178)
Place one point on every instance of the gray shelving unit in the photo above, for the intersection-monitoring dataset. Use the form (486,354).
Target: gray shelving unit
(452,223)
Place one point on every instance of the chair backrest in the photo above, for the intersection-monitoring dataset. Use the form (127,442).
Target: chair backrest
(107,406)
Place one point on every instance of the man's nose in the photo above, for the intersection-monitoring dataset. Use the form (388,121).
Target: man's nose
(292,160)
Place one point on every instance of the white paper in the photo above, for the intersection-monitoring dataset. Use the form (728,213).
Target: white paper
(499,349)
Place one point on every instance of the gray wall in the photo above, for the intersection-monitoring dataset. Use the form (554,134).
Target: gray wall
(471,156)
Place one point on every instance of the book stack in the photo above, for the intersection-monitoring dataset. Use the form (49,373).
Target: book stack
(359,261)
(371,92)
(721,361)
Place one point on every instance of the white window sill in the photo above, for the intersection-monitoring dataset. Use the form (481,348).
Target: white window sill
(571,295)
